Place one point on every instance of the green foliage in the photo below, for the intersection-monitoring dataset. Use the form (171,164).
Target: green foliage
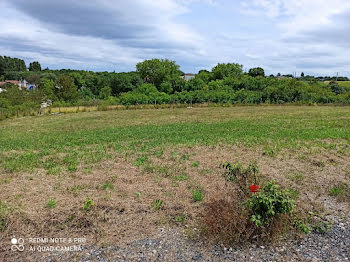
(157,71)
(4,212)
(227,70)
(268,203)
(197,194)
(243,176)
(341,191)
(157,204)
(257,71)
(88,204)
(12,64)
(336,88)
(195,164)
(51,203)
(35,66)
(108,186)
(299,224)
(105,92)
(322,227)
(65,88)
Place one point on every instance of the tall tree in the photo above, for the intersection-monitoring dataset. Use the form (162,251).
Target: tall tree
(35,66)
(256,71)
(65,88)
(157,71)
(227,70)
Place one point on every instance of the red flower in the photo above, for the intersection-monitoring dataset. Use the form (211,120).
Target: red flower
(254,188)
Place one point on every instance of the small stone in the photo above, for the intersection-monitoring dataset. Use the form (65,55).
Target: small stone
(262,247)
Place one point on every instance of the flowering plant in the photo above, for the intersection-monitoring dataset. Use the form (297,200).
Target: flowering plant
(254,189)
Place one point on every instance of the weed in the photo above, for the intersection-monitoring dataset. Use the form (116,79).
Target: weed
(4,212)
(108,186)
(138,194)
(296,177)
(51,203)
(341,191)
(293,193)
(195,164)
(181,177)
(268,203)
(180,218)
(197,195)
(322,227)
(300,225)
(141,160)
(157,204)
(242,176)
(88,204)
(185,157)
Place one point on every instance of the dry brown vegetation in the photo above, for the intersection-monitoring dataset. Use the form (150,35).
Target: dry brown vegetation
(123,212)
(125,185)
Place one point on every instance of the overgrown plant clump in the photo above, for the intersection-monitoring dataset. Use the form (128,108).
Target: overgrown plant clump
(268,203)
(252,211)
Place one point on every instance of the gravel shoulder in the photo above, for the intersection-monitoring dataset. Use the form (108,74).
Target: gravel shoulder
(172,245)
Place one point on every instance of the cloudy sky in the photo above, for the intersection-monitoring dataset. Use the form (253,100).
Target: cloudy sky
(285,36)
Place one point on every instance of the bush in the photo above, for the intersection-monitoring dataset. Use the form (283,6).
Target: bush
(269,203)
(248,213)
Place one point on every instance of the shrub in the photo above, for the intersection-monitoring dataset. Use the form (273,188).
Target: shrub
(242,176)
(268,203)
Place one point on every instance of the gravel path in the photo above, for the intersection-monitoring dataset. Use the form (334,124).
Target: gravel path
(171,245)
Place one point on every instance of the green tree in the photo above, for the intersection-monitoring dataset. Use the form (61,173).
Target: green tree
(227,70)
(2,68)
(105,92)
(157,71)
(335,87)
(47,86)
(65,88)
(302,74)
(35,66)
(256,71)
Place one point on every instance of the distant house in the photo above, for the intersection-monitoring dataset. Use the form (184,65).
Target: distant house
(188,77)
(21,84)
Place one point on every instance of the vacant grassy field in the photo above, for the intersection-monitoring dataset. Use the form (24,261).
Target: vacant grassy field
(341,83)
(115,176)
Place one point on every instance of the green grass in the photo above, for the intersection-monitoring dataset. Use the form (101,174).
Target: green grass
(68,141)
(51,203)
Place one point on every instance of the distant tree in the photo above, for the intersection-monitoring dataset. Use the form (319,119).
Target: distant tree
(124,82)
(205,75)
(33,79)
(336,88)
(65,88)
(302,74)
(166,87)
(105,92)
(35,66)
(47,86)
(227,70)
(2,68)
(13,64)
(279,74)
(257,71)
(157,71)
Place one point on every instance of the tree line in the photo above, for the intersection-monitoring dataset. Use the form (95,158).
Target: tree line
(159,81)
